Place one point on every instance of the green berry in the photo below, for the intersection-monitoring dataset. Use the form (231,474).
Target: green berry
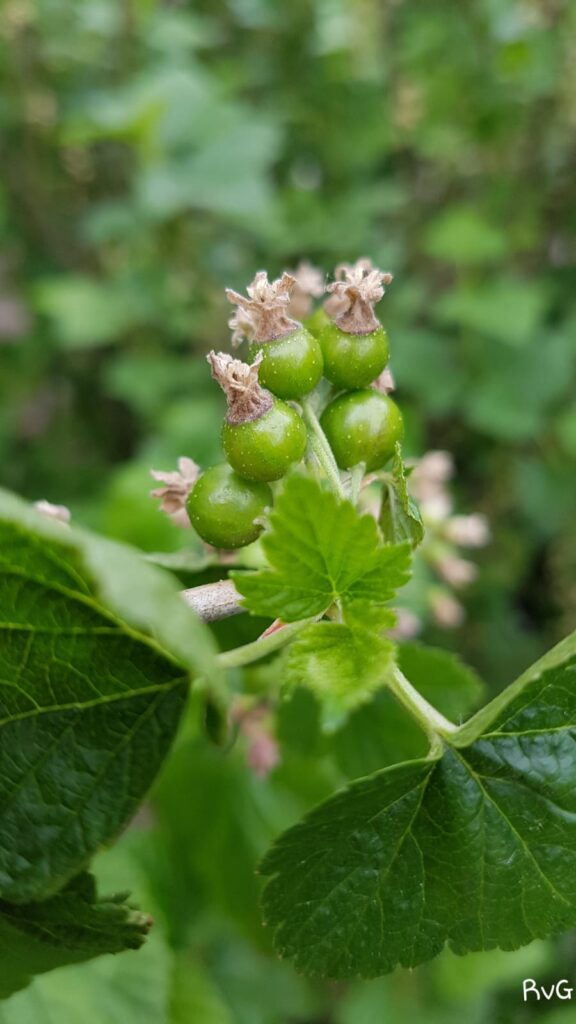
(291,366)
(353,360)
(223,508)
(264,447)
(317,321)
(362,426)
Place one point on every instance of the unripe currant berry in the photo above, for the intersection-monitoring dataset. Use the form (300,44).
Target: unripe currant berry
(225,510)
(262,437)
(317,321)
(291,366)
(362,426)
(355,347)
(353,360)
(291,358)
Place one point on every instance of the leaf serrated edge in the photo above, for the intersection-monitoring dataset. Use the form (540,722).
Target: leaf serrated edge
(480,722)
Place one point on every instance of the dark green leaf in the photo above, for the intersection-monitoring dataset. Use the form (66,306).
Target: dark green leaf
(73,926)
(96,652)
(476,848)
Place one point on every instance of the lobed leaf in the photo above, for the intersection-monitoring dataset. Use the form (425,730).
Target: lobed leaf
(342,663)
(320,550)
(475,848)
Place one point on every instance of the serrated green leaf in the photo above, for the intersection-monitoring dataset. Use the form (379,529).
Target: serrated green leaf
(320,549)
(96,652)
(400,518)
(71,927)
(476,848)
(342,664)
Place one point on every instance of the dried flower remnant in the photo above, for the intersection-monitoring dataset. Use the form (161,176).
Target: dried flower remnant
(175,489)
(242,327)
(247,400)
(264,315)
(309,284)
(59,512)
(354,294)
(385,382)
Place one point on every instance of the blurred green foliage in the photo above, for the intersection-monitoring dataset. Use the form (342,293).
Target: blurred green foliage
(153,152)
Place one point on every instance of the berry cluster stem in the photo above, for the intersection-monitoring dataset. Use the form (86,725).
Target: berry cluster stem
(249,653)
(322,449)
(434,724)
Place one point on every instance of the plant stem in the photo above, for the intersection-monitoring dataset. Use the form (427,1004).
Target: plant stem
(433,723)
(356,478)
(260,648)
(214,601)
(322,449)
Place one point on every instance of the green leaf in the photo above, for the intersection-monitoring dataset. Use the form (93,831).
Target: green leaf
(476,848)
(86,312)
(195,996)
(460,235)
(508,309)
(320,550)
(73,926)
(341,663)
(96,652)
(400,518)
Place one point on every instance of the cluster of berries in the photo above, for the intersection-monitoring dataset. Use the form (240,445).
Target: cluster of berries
(334,359)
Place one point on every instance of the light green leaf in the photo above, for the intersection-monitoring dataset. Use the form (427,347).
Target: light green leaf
(84,311)
(476,848)
(400,518)
(194,995)
(96,652)
(73,926)
(341,663)
(320,550)
(509,309)
(462,236)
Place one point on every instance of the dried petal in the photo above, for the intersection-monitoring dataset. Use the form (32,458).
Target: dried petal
(239,381)
(265,311)
(358,288)
(177,485)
